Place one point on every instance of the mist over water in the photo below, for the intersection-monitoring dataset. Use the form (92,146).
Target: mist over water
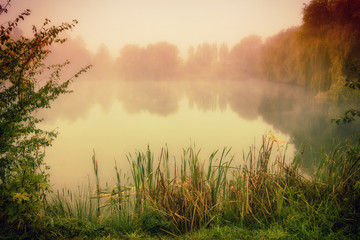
(244,135)
(218,97)
(124,116)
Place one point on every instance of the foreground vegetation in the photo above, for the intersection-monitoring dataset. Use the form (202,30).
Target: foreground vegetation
(259,196)
(256,196)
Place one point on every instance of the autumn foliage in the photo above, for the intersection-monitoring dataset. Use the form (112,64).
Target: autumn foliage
(319,53)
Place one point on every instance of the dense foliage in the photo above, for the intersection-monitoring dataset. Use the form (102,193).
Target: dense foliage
(26,85)
(320,52)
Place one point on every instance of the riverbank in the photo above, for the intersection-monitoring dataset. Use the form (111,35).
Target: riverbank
(264,198)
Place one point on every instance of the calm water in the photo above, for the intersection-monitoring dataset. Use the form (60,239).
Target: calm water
(118,117)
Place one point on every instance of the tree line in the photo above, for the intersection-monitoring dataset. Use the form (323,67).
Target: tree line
(205,61)
(320,54)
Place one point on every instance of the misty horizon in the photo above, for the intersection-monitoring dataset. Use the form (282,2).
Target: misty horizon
(257,68)
(184,24)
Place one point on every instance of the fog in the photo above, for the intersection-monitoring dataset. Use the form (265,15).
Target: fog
(115,109)
(166,74)
(117,23)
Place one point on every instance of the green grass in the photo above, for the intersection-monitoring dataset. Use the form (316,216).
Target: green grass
(256,197)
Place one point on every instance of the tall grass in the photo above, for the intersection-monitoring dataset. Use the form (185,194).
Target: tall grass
(96,171)
(73,204)
(256,191)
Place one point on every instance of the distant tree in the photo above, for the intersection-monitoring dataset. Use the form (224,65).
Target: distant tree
(244,58)
(277,58)
(155,62)
(317,53)
(103,64)
(221,70)
(130,62)
(203,61)
(161,61)
(320,13)
(223,53)
(316,13)
(24,90)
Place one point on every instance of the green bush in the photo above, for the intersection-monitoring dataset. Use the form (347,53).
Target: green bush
(154,222)
(23,177)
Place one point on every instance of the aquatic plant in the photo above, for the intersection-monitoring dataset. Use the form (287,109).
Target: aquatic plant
(258,192)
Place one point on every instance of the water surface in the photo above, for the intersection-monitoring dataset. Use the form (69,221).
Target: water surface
(117,117)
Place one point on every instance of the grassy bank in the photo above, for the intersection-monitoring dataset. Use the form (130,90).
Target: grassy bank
(256,197)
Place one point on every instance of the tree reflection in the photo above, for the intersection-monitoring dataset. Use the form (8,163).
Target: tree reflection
(213,78)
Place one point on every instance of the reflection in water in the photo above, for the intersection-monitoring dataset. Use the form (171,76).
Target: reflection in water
(117,117)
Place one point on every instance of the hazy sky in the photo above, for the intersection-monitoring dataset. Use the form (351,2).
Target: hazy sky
(181,22)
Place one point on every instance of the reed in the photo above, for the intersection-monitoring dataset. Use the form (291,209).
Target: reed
(260,189)
(194,197)
(96,171)
(78,204)
(143,176)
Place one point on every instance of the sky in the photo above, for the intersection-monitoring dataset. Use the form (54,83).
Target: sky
(116,23)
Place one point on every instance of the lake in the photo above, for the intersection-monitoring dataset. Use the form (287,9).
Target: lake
(115,117)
